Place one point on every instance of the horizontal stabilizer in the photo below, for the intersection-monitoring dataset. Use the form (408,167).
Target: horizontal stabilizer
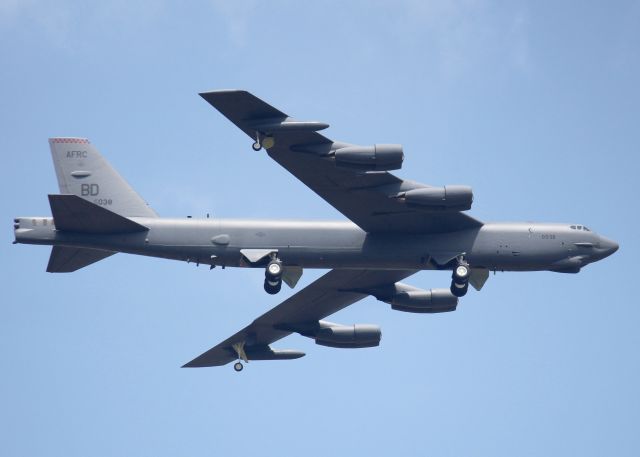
(65,259)
(74,214)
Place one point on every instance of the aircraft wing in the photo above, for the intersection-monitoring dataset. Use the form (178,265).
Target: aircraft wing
(366,198)
(332,292)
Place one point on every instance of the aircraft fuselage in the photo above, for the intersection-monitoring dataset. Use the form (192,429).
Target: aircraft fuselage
(335,244)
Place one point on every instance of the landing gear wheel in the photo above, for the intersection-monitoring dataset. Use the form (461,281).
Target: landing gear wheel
(274,269)
(459,290)
(461,273)
(460,278)
(256,146)
(273,276)
(272,287)
(238,366)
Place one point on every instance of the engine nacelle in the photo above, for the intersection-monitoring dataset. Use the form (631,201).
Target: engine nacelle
(448,198)
(414,300)
(347,336)
(370,158)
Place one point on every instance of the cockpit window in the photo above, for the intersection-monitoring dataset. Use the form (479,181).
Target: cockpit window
(579,227)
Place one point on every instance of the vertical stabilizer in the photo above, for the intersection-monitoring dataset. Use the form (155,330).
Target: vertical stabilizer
(82,171)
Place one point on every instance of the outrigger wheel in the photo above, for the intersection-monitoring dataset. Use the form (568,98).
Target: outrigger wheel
(267,142)
(239,348)
(257,145)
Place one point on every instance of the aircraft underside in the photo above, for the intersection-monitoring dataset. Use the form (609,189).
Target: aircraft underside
(393,228)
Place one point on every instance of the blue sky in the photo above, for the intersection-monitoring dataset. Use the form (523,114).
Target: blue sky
(534,104)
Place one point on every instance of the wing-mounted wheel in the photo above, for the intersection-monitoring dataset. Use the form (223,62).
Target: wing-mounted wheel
(266,129)
(261,352)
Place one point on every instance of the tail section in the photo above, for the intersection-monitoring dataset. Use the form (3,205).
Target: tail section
(82,171)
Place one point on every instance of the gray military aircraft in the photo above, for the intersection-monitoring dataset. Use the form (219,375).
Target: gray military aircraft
(396,228)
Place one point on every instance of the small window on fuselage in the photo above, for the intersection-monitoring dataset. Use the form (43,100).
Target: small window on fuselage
(573,227)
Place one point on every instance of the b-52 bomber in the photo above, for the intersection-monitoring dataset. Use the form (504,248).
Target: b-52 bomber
(395,229)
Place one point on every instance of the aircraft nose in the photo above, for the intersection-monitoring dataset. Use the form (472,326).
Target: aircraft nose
(608,246)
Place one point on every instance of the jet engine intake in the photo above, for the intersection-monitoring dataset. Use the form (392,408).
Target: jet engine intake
(447,198)
(347,336)
(424,301)
(370,158)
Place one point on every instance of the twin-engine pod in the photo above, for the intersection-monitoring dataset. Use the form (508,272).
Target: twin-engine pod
(448,198)
(414,300)
(379,157)
(347,336)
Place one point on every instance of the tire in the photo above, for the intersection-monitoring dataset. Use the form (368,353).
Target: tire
(256,146)
(461,273)
(271,288)
(274,270)
(459,289)
(238,366)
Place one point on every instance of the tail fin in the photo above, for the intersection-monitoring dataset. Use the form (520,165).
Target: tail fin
(82,171)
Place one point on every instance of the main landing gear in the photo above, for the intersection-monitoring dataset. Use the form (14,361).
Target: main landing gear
(239,348)
(266,142)
(273,276)
(460,278)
